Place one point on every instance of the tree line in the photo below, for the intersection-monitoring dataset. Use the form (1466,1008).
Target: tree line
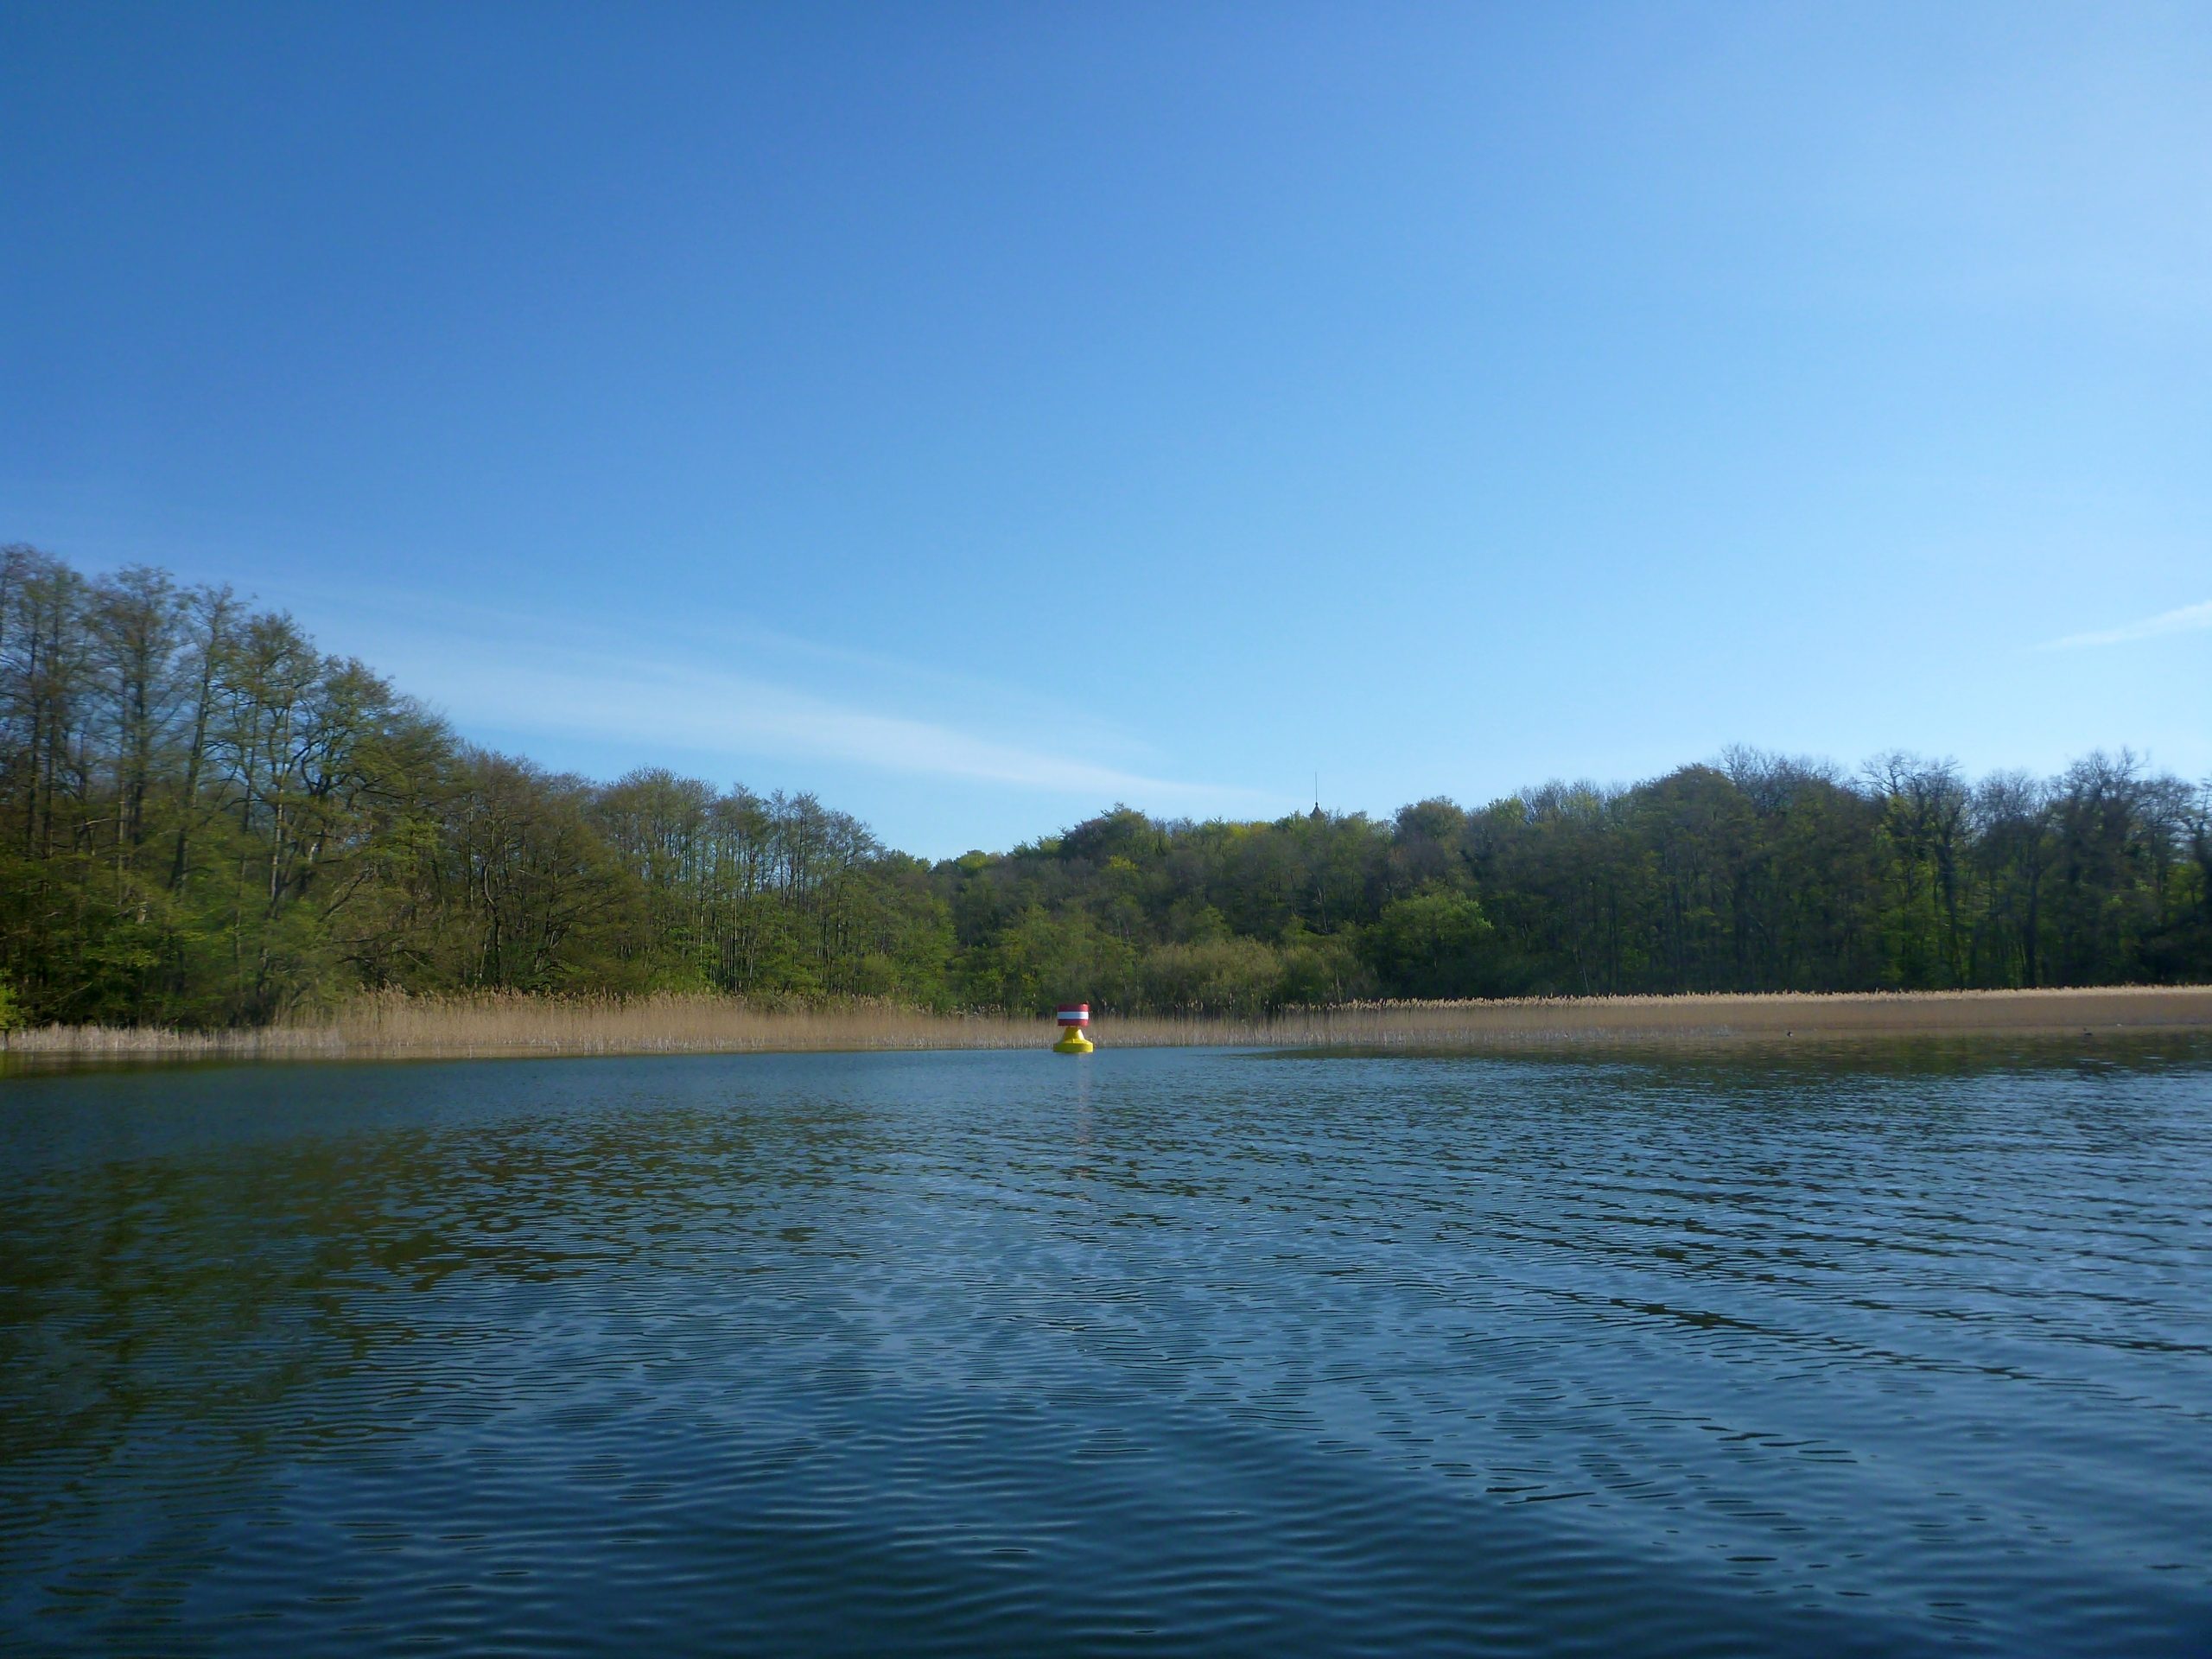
(205,819)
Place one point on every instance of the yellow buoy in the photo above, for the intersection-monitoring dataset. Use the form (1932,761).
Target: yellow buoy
(1074,1016)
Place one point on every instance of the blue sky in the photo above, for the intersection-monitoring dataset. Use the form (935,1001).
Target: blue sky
(979,415)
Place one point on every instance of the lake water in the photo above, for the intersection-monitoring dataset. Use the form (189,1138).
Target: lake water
(1151,1352)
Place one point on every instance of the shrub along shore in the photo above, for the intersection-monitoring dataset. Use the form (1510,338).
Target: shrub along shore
(396,1026)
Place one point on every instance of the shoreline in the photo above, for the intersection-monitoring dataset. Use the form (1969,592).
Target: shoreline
(509,1025)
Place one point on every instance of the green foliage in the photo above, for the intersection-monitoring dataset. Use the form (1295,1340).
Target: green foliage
(1039,960)
(1321,968)
(205,820)
(1216,975)
(1430,944)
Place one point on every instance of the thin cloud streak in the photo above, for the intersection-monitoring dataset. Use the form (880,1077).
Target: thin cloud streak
(2189,619)
(661,704)
(545,678)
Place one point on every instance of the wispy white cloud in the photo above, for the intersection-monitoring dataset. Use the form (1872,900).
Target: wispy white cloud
(577,684)
(657,705)
(511,676)
(2188,619)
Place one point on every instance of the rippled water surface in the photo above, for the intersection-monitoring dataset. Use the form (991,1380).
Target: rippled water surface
(1167,1352)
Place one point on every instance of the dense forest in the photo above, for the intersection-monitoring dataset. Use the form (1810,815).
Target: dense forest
(206,820)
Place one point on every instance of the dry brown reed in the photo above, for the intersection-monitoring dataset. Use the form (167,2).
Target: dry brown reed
(395,1025)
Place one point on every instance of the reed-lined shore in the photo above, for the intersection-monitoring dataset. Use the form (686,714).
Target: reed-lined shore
(506,1024)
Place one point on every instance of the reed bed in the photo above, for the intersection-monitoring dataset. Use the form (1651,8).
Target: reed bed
(1704,1018)
(514,1023)
(396,1026)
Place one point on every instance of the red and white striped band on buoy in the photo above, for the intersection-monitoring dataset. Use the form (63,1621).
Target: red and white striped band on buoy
(1077,1015)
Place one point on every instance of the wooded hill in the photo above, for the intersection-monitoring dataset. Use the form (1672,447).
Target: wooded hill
(206,820)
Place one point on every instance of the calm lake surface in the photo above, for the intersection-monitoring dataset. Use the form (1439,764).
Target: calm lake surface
(1154,1352)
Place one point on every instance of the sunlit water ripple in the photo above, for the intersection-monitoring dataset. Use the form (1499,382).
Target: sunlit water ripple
(1167,1351)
